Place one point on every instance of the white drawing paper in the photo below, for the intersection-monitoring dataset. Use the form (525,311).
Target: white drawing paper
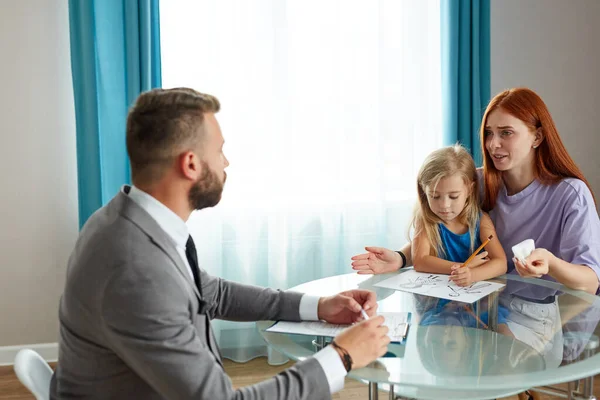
(397,322)
(440,286)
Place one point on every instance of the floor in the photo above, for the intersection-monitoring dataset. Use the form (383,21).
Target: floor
(241,374)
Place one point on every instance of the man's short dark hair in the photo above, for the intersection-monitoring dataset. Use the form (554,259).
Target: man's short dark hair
(162,124)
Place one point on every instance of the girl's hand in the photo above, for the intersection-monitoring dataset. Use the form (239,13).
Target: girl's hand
(479,260)
(377,260)
(536,265)
(461,276)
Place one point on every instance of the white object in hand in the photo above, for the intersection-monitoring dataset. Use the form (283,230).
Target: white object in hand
(364,314)
(522,250)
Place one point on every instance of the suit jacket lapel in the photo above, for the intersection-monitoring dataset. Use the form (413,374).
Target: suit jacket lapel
(130,210)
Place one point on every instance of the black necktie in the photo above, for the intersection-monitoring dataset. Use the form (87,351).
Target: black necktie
(190,253)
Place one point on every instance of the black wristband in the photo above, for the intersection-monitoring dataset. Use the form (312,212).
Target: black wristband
(346,359)
(403,258)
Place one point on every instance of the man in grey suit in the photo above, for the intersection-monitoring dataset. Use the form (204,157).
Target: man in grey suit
(136,311)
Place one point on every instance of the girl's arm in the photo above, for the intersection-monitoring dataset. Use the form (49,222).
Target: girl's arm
(496,265)
(407,250)
(379,260)
(422,259)
(493,267)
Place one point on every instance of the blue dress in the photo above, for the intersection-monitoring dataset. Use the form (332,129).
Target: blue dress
(457,248)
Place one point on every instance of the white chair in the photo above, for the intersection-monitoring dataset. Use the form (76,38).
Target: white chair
(34,373)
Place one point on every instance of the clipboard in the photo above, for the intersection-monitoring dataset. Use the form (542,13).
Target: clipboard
(398,333)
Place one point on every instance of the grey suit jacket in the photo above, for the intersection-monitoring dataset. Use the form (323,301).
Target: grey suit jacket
(133,324)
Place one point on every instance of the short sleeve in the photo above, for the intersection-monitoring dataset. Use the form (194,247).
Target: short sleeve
(580,238)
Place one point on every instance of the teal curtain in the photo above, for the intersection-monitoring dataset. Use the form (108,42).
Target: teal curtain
(115,55)
(465,42)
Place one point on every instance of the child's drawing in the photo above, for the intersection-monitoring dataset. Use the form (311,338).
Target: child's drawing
(420,281)
(440,286)
(456,291)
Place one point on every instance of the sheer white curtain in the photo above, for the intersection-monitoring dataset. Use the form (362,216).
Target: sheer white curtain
(328,109)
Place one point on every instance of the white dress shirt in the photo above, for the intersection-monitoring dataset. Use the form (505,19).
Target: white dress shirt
(177,230)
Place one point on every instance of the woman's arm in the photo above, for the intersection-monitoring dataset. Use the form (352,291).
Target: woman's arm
(579,277)
(496,265)
(541,262)
(576,261)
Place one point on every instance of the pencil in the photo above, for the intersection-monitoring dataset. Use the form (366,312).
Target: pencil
(477,251)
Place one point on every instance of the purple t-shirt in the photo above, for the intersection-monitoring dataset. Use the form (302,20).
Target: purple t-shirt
(561,218)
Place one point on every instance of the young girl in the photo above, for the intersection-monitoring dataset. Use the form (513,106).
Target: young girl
(449,224)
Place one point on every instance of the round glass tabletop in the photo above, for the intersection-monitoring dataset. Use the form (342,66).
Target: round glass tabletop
(539,333)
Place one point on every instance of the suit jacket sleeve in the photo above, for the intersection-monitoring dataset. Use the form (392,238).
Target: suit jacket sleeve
(147,319)
(238,302)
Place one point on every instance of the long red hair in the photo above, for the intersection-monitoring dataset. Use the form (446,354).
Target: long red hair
(552,161)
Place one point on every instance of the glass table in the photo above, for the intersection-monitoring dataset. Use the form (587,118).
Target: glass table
(532,333)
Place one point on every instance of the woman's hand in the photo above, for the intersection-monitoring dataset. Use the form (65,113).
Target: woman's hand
(536,265)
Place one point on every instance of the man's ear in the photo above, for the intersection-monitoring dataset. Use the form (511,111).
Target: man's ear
(190,165)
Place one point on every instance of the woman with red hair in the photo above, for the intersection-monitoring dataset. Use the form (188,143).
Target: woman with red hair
(532,189)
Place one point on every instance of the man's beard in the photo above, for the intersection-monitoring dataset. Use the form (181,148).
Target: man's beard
(207,191)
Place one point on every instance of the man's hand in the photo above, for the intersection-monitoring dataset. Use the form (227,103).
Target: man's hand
(365,342)
(377,260)
(344,307)
(461,276)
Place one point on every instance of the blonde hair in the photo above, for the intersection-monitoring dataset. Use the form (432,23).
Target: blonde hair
(440,164)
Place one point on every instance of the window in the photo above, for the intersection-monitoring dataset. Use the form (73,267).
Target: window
(323,102)
(328,109)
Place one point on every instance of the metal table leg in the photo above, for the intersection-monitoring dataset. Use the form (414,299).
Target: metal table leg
(319,343)
(493,311)
(587,384)
(477,314)
(587,392)
(583,396)
(582,389)
(373,391)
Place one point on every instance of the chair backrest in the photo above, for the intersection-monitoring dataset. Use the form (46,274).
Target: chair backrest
(34,373)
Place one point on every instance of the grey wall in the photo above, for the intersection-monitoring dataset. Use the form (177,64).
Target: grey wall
(38,205)
(553,47)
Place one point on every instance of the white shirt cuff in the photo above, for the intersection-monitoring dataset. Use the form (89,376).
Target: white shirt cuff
(334,368)
(309,306)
